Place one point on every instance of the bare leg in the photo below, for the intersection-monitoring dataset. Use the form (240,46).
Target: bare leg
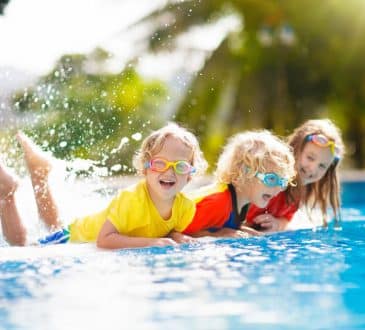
(12,226)
(39,167)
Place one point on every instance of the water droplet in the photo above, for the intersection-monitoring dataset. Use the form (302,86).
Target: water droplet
(116,168)
(137,136)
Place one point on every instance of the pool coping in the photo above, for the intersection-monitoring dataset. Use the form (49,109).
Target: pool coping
(352,175)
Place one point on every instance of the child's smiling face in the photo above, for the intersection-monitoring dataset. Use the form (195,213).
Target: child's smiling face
(313,163)
(163,186)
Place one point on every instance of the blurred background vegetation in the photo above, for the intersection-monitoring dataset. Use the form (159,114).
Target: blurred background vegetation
(96,116)
(287,61)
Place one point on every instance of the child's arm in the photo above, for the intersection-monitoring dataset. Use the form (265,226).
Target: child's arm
(250,231)
(180,237)
(224,232)
(110,238)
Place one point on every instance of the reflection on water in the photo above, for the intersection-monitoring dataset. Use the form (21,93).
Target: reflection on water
(281,280)
(286,280)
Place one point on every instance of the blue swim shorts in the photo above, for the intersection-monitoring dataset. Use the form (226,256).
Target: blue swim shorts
(58,237)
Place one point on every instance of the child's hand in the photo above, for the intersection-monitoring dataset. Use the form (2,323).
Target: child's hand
(164,241)
(250,231)
(181,238)
(229,232)
(267,222)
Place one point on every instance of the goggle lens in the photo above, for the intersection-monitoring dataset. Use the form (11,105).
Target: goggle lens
(158,165)
(182,167)
(272,180)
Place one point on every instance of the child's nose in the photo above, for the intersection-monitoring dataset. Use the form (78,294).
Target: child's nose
(312,168)
(278,189)
(169,169)
(275,190)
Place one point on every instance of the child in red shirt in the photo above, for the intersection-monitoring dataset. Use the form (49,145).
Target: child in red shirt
(253,168)
(318,150)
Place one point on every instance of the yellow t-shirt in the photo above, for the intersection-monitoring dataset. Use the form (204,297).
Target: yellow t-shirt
(133,213)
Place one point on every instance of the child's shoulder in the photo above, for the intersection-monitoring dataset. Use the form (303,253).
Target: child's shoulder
(184,198)
(131,199)
(135,191)
(207,190)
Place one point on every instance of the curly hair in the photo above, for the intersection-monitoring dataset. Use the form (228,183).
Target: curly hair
(247,153)
(327,189)
(153,143)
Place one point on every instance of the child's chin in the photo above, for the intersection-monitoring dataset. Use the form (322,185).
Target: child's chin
(261,204)
(170,193)
(306,182)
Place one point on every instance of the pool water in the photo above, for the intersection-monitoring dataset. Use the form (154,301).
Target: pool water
(303,279)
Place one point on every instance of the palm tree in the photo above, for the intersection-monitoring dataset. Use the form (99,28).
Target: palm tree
(291,60)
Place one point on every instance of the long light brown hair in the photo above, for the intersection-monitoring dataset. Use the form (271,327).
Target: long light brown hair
(325,191)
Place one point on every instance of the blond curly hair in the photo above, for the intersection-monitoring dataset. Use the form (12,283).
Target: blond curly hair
(153,143)
(247,153)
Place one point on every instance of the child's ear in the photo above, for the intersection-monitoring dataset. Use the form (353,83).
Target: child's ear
(189,178)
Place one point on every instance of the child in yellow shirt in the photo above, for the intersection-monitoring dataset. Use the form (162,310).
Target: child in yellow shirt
(139,216)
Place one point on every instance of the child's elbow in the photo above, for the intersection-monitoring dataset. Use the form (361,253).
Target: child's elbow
(101,242)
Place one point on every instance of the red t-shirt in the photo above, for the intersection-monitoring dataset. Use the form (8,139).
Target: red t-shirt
(213,208)
(277,206)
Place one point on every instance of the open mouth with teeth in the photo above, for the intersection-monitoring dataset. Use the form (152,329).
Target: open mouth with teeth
(167,183)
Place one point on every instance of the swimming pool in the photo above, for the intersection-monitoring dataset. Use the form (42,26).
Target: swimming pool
(302,279)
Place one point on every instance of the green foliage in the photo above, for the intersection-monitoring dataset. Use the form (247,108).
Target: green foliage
(291,61)
(85,115)
(3,4)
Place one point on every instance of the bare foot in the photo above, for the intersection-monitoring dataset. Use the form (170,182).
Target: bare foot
(37,161)
(8,182)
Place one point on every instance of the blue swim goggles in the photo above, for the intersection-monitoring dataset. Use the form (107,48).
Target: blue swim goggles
(272,180)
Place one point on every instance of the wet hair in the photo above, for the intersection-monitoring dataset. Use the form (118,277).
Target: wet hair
(153,143)
(326,190)
(247,153)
